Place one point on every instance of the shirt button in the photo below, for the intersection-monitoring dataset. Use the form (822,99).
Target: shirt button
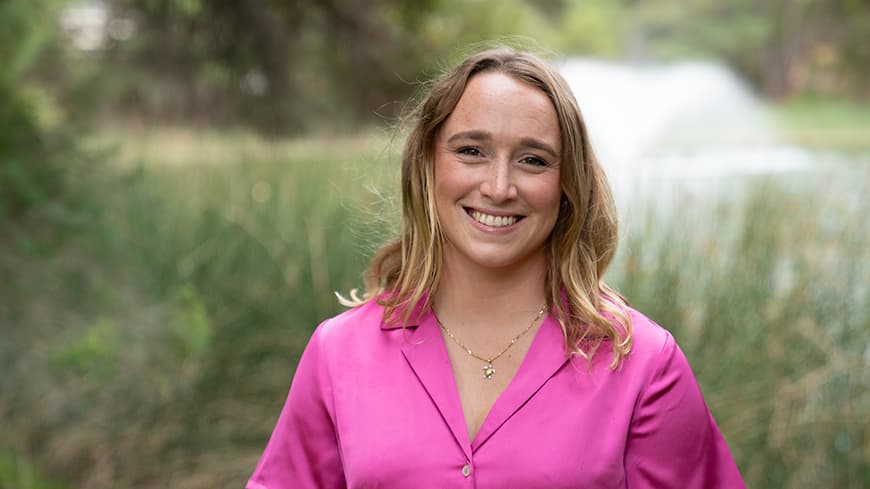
(466,470)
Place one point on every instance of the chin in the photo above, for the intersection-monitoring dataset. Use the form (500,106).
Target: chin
(500,261)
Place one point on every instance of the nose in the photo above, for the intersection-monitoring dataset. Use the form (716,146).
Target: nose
(498,184)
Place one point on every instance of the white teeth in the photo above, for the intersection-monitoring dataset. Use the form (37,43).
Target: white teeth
(493,221)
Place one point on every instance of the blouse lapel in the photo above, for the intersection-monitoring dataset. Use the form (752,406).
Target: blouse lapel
(545,357)
(426,354)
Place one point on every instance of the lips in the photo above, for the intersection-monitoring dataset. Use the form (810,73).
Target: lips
(491,220)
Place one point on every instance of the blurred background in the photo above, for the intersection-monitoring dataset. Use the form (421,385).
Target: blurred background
(184,184)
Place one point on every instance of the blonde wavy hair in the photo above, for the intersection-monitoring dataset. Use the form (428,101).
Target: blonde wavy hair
(403,274)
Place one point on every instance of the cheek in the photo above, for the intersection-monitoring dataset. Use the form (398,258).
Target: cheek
(450,182)
(441,189)
(439,174)
(548,195)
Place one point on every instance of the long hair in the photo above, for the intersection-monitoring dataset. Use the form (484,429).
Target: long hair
(403,274)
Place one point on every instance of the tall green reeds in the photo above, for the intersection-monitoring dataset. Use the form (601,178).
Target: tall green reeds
(156,348)
(769,295)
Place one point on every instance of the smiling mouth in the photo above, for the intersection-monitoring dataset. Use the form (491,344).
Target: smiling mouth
(493,221)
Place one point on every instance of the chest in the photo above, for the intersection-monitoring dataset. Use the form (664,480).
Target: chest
(479,382)
(408,428)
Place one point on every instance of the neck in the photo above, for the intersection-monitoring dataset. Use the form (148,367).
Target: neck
(473,296)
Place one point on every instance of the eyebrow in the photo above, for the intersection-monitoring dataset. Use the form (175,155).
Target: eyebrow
(478,135)
(538,144)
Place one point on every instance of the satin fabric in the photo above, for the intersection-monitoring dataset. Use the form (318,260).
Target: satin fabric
(376,406)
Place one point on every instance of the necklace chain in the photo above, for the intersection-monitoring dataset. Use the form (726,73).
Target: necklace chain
(488,369)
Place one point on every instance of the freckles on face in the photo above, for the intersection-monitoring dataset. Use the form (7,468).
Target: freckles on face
(496,179)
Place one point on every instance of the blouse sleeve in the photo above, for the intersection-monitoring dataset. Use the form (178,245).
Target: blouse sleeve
(303,451)
(673,441)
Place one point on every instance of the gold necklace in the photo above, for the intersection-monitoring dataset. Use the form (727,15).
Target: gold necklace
(488,369)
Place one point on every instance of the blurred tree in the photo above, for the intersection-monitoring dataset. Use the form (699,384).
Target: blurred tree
(279,66)
(31,172)
(285,67)
(597,27)
(815,45)
(289,66)
(190,59)
(784,47)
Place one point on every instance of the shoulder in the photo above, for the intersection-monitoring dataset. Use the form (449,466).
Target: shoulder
(673,440)
(351,349)
(653,349)
(352,326)
(343,337)
(648,339)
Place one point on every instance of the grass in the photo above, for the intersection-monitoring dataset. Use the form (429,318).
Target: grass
(770,299)
(823,123)
(146,331)
(18,473)
(155,346)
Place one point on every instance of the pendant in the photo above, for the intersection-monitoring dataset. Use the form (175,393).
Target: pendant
(488,370)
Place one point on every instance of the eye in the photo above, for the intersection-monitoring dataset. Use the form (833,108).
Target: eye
(534,161)
(469,151)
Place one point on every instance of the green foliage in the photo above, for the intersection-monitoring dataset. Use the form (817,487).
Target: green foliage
(287,67)
(596,27)
(35,150)
(825,123)
(196,279)
(190,330)
(461,23)
(16,472)
(23,176)
(782,48)
(284,67)
(93,351)
(25,28)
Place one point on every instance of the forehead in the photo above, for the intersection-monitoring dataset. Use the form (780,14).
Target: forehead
(501,104)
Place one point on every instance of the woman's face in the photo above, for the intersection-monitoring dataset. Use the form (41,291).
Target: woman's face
(497,188)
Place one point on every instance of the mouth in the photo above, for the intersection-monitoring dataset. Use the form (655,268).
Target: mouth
(493,220)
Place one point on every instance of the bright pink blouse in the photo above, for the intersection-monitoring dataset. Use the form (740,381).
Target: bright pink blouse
(376,406)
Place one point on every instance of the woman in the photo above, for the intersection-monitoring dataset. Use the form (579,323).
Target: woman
(487,352)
